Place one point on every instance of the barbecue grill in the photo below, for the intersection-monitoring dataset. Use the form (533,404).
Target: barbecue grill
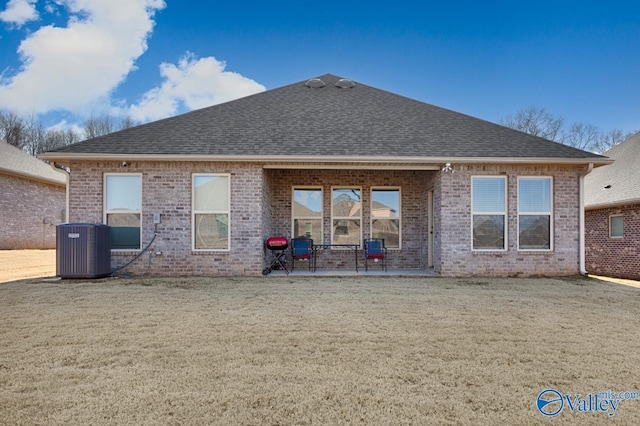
(277,246)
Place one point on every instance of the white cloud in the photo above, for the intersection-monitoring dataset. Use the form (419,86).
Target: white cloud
(19,12)
(65,126)
(75,68)
(192,83)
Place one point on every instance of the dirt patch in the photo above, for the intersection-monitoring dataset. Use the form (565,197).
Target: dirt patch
(310,350)
(20,264)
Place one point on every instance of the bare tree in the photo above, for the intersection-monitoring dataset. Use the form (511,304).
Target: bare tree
(128,122)
(581,136)
(56,138)
(540,122)
(608,140)
(34,135)
(536,121)
(35,138)
(104,124)
(30,134)
(97,126)
(12,128)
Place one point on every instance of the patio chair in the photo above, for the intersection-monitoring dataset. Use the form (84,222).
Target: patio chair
(302,249)
(375,250)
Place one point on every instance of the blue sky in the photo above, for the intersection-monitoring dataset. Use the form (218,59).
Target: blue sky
(64,60)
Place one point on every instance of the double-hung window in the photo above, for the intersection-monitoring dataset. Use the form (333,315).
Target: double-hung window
(385,215)
(123,209)
(489,212)
(346,216)
(616,223)
(307,213)
(210,212)
(535,221)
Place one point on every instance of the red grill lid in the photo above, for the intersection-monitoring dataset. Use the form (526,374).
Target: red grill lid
(277,242)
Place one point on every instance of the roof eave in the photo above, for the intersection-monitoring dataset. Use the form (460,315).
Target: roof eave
(35,177)
(612,204)
(61,156)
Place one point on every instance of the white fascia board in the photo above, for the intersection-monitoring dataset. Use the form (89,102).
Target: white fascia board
(609,205)
(276,160)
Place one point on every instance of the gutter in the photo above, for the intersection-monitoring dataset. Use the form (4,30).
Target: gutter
(583,270)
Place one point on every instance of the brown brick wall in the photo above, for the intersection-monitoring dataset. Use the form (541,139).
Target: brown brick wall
(614,257)
(166,189)
(453,233)
(29,213)
(261,207)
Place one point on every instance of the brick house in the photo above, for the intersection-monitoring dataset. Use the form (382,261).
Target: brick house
(612,202)
(32,200)
(340,162)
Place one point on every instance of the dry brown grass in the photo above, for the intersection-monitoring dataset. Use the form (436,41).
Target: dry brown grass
(326,351)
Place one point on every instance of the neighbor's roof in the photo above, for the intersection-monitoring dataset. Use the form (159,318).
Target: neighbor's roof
(617,183)
(302,123)
(15,161)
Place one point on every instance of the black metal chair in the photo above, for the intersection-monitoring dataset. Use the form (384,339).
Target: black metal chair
(302,249)
(375,250)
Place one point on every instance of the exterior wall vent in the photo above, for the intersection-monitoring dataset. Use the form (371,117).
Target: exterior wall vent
(83,250)
(315,83)
(345,83)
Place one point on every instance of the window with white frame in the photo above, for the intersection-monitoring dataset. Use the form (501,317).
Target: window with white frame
(489,212)
(210,212)
(306,213)
(535,221)
(123,209)
(346,216)
(616,226)
(385,215)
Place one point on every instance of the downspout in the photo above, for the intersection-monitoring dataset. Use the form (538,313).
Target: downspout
(66,207)
(583,269)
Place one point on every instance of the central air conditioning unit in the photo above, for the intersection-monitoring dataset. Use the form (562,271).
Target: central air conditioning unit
(83,250)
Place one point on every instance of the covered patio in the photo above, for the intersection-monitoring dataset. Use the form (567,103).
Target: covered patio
(334,205)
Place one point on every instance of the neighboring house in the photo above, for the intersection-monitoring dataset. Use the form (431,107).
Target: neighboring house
(612,202)
(32,200)
(321,158)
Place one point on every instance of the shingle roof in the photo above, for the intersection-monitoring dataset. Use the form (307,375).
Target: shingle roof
(622,177)
(15,161)
(298,121)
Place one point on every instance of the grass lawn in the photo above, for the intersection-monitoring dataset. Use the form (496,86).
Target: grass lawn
(309,350)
